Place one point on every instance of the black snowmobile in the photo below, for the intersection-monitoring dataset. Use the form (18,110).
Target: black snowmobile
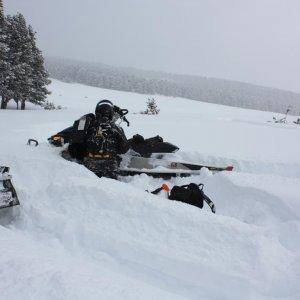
(146,155)
(297,122)
(8,195)
(144,147)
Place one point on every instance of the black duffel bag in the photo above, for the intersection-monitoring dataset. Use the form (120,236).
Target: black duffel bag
(191,194)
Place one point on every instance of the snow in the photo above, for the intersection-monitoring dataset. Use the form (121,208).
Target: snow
(76,236)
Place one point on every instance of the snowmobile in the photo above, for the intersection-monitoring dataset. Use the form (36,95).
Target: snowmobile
(146,156)
(8,195)
(144,147)
(297,122)
(140,145)
(284,119)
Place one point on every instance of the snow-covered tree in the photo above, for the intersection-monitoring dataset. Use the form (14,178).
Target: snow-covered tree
(1,11)
(39,75)
(152,108)
(22,73)
(21,58)
(6,73)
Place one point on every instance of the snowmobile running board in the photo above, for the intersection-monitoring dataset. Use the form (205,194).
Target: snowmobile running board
(157,168)
(156,174)
(160,168)
(167,174)
(8,195)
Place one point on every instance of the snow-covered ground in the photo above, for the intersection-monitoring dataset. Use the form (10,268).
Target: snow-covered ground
(76,236)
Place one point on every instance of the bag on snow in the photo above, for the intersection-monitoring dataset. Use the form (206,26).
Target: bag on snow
(191,194)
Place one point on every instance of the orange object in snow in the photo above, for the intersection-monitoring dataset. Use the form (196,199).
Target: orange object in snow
(165,187)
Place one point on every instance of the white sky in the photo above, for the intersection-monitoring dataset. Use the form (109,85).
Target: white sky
(256,41)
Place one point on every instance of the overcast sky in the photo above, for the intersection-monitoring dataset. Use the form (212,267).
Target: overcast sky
(256,41)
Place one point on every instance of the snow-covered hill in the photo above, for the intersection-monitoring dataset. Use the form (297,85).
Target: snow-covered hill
(211,90)
(76,236)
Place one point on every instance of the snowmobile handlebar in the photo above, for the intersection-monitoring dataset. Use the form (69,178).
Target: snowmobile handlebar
(121,112)
(126,121)
(30,141)
(124,111)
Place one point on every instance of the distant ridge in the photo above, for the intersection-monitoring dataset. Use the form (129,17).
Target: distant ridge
(212,90)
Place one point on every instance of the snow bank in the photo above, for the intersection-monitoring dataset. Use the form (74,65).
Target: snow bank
(76,236)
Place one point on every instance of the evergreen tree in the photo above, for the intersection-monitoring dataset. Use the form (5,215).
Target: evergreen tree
(1,11)
(40,77)
(6,74)
(152,108)
(21,58)
(22,73)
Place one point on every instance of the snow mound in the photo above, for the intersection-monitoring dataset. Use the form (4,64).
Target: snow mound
(76,236)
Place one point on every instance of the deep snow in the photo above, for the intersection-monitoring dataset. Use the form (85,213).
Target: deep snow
(76,236)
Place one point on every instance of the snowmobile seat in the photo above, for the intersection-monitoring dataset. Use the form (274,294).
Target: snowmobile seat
(146,147)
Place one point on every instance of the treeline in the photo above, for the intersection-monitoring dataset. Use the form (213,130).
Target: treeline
(226,92)
(23,76)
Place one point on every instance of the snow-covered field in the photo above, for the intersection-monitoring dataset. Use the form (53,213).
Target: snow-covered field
(76,236)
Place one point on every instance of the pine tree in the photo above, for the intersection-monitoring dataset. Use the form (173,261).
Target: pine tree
(152,108)
(20,54)
(1,12)
(22,73)
(6,74)
(40,77)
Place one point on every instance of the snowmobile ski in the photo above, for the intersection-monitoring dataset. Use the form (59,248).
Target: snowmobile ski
(8,195)
(133,165)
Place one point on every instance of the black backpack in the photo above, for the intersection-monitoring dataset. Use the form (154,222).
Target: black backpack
(192,194)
